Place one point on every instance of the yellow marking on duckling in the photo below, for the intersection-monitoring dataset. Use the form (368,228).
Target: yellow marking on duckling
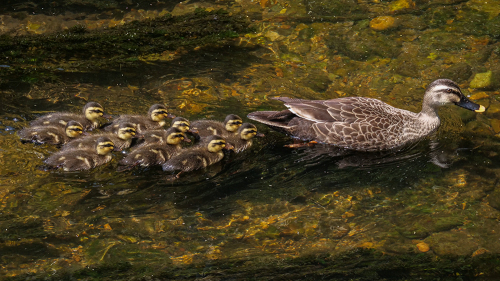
(85,160)
(56,138)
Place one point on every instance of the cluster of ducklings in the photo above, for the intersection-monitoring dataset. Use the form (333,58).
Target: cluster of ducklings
(155,145)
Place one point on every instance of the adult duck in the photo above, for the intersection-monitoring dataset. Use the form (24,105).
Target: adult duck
(364,124)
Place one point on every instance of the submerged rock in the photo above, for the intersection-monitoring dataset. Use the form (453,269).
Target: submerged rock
(458,72)
(383,23)
(482,80)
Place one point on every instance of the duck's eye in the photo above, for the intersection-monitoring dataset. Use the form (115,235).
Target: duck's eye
(449,90)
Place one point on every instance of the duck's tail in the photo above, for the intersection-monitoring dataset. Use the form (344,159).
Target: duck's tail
(273,118)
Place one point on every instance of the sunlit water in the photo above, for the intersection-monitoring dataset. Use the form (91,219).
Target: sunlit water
(267,202)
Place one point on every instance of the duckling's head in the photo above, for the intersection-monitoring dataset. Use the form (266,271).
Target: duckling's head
(73,129)
(175,136)
(126,131)
(158,112)
(232,122)
(182,124)
(93,111)
(247,131)
(445,91)
(216,143)
(104,145)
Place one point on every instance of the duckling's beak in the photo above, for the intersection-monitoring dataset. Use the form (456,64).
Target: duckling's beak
(116,148)
(139,136)
(192,131)
(170,115)
(229,146)
(186,140)
(107,116)
(85,133)
(467,104)
(260,135)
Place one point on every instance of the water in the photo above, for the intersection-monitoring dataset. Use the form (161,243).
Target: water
(271,211)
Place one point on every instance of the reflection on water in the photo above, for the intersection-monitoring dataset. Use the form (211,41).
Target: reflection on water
(270,206)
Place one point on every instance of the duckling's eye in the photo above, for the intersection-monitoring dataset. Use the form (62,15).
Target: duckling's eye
(179,136)
(97,111)
(449,90)
(130,131)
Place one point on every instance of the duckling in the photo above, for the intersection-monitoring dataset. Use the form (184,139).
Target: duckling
(121,139)
(154,120)
(207,128)
(51,134)
(203,155)
(83,159)
(91,113)
(156,153)
(243,139)
(160,135)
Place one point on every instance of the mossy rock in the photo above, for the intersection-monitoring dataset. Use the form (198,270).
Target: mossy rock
(458,72)
(343,8)
(364,44)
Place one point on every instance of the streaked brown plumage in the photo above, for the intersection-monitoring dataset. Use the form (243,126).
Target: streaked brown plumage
(51,134)
(207,128)
(243,137)
(153,120)
(122,138)
(82,159)
(364,124)
(156,153)
(92,111)
(207,153)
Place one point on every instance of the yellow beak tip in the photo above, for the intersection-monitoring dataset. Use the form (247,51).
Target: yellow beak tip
(481,109)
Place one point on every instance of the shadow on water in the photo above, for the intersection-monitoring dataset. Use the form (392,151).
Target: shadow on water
(263,174)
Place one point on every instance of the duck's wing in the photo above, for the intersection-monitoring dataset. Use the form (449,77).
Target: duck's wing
(348,110)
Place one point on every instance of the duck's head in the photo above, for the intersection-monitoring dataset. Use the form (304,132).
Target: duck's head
(93,111)
(445,91)
(175,136)
(104,146)
(73,129)
(180,123)
(247,131)
(232,122)
(216,143)
(126,131)
(158,112)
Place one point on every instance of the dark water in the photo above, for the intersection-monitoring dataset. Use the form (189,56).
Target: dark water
(269,208)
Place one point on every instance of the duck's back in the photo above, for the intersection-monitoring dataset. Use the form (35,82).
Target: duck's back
(60,119)
(207,128)
(192,159)
(76,160)
(142,123)
(150,154)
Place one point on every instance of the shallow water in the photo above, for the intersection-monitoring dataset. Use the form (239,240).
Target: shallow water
(269,208)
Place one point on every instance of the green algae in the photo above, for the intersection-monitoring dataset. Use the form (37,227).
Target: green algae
(39,58)
(353,265)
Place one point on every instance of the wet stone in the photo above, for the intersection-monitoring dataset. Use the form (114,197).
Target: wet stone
(383,23)
(345,8)
(482,80)
(452,243)
(494,197)
(421,226)
(458,72)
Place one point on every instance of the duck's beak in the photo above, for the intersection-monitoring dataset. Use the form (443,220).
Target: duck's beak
(139,136)
(229,146)
(260,135)
(107,116)
(170,115)
(467,104)
(186,140)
